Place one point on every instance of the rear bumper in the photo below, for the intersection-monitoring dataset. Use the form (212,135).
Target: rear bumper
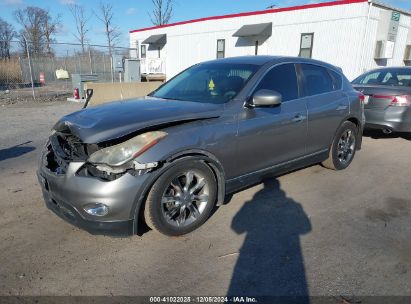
(397,119)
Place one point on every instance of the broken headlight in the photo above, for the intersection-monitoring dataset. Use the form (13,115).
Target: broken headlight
(121,154)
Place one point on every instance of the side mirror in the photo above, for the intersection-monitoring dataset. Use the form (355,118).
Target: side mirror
(266,98)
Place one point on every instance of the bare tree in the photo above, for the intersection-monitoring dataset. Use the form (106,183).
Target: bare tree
(162,11)
(112,32)
(7,34)
(31,20)
(50,28)
(81,19)
(38,28)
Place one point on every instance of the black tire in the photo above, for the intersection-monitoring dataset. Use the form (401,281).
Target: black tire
(336,159)
(165,190)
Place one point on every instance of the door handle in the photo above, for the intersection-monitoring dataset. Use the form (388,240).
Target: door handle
(342,107)
(298,118)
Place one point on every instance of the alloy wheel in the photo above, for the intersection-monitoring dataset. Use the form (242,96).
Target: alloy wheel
(346,146)
(185,198)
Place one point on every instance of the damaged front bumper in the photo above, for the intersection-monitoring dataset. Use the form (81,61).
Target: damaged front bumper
(68,194)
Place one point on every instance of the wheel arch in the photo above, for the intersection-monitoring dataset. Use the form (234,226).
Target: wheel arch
(355,121)
(210,160)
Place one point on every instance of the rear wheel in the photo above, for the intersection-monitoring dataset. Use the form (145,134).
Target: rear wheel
(181,199)
(343,148)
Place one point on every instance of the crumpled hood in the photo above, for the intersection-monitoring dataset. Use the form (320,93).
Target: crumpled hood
(117,119)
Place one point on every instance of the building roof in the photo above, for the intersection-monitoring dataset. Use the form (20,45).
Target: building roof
(385,5)
(268,11)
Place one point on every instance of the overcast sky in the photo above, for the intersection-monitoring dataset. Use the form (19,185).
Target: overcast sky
(133,14)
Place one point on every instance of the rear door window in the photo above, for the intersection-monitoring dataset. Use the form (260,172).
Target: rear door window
(317,80)
(282,79)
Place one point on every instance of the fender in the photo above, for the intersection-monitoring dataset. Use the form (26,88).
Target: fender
(194,154)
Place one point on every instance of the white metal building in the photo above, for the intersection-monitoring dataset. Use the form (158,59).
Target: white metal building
(356,35)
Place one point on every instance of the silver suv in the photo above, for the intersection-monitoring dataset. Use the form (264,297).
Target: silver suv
(215,128)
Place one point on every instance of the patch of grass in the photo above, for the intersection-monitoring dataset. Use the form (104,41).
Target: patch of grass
(10,71)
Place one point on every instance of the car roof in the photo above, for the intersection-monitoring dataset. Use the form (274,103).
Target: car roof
(405,68)
(262,60)
(256,60)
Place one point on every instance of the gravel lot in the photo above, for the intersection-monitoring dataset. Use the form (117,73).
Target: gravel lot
(312,231)
(50,93)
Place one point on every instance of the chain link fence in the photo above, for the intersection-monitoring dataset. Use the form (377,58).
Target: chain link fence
(46,77)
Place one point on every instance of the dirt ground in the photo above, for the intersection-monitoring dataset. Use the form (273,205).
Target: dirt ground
(314,231)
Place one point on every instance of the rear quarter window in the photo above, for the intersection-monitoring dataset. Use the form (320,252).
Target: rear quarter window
(371,78)
(337,80)
(317,80)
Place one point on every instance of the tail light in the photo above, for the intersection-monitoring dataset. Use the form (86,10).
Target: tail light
(396,101)
(361,96)
(401,101)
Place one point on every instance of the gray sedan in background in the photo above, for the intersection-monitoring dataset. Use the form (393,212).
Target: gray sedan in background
(169,158)
(387,98)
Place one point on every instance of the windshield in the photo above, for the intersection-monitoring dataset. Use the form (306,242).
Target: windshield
(209,83)
(386,77)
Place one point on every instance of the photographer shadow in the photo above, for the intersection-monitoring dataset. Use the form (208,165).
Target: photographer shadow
(270,261)
(16,151)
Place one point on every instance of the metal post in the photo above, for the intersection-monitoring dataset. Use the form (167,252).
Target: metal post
(112,68)
(104,66)
(74,61)
(65,60)
(7,73)
(31,71)
(54,68)
(111,63)
(96,69)
(21,69)
(79,63)
(89,58)
(65,67)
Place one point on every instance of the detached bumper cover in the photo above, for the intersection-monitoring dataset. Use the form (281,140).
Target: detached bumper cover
(397,119)
(67,194)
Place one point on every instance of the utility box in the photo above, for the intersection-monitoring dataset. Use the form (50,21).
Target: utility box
(132,71)
(384,49)
(407,56)
(118,63)
(78,81)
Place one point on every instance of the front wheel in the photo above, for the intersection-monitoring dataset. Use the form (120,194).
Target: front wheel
(181,199)
(343,148)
